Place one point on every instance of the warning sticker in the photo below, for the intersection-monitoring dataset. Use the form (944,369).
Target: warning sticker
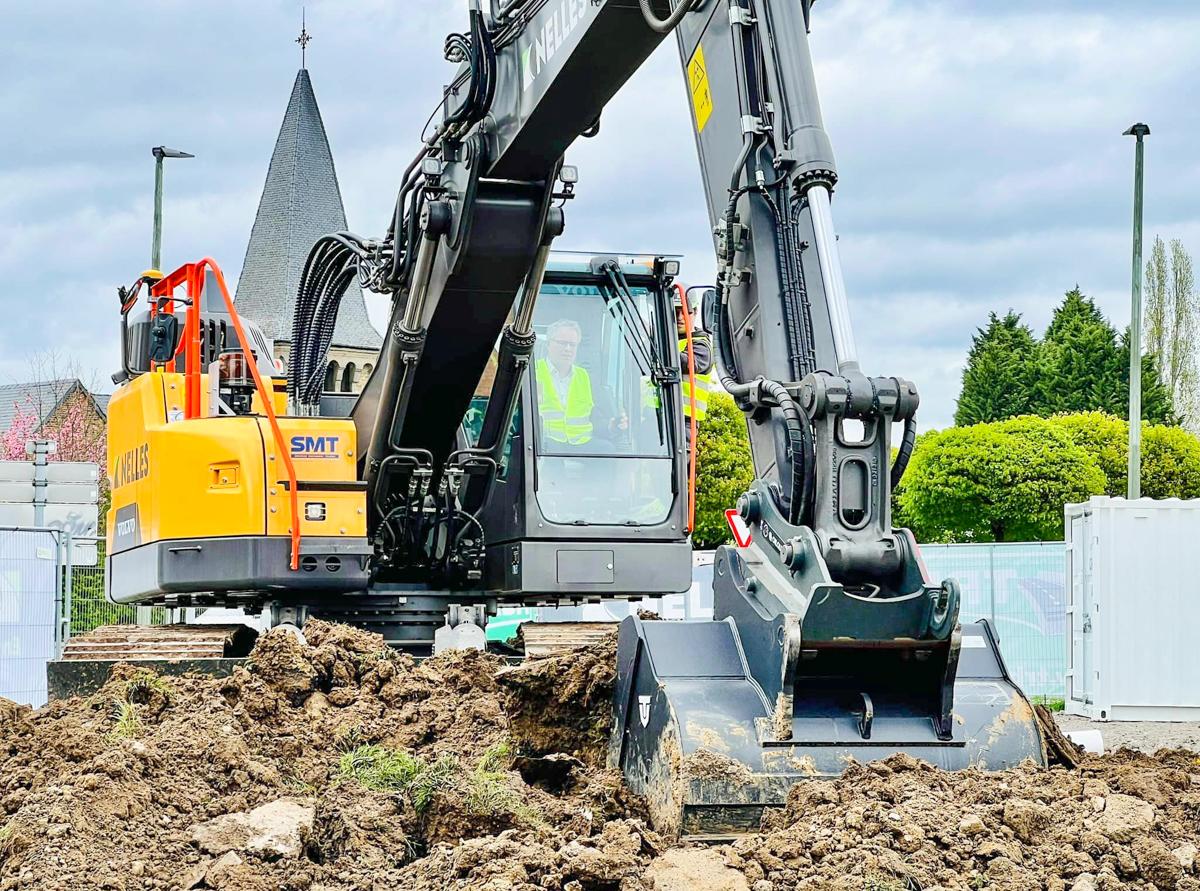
(702,103)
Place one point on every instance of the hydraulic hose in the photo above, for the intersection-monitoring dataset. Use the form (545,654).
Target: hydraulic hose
(803,453)
(904,452)
(665,26)
(331,268)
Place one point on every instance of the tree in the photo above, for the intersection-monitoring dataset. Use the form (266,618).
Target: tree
(1157,405)
(1170,463)
(1081,360)
(724,469)
(73,424)
(1003,481)
(1080,365)
(1171,325)
(1170,455)
(1106,439)
(1000,373)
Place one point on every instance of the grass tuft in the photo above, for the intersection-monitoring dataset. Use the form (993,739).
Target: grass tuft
(145,682)
(485,789)
(379,768)
(128,725)
(1054,703)
(489,794)
(350,738)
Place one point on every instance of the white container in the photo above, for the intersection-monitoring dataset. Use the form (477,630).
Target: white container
(1133,609)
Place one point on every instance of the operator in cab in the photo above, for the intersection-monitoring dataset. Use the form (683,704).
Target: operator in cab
(566,399)
(703,355)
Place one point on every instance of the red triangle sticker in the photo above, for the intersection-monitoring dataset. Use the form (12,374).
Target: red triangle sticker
(741,532)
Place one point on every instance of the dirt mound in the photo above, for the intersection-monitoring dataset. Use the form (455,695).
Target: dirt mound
(327,762)
(333,763)
(1126,821)
(563,703)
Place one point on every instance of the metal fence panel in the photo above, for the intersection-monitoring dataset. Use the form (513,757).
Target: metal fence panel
(1021,590)
(90,607)
(29,604)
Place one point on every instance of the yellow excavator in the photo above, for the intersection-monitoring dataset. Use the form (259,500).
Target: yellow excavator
(520,440)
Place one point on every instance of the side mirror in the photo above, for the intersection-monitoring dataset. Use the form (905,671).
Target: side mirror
(164,335)
(709,312)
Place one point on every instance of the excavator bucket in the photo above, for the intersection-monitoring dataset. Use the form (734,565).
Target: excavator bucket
(693,731)
(714,721)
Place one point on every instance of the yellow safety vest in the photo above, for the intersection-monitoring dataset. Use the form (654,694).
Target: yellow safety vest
(704,384)
(570,423)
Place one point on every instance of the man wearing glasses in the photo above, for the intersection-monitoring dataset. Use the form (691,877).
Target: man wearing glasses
(565,396)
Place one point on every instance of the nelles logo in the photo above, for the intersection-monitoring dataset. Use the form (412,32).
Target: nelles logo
(131,466)
(315,446)
(561,21)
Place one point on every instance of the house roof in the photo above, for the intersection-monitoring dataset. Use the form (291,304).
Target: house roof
(41,397)
(301,201)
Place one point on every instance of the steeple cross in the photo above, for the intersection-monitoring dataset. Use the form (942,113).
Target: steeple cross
(303,40)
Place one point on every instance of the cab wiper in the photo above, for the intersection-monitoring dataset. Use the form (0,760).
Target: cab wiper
(637,335)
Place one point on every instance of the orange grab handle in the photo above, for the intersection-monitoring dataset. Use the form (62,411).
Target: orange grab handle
(265,395)
(693,447)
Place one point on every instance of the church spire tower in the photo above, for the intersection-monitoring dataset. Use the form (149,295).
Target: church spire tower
(300,202)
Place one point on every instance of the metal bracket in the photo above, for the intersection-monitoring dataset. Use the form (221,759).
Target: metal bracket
(868,716)
(739,15)
(751,124)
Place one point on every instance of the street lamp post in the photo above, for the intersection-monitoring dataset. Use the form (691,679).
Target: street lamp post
(160,152)
(1141,131)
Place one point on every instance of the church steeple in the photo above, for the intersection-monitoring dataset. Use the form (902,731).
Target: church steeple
(301,201)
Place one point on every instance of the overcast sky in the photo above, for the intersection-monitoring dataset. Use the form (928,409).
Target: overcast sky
(979,146)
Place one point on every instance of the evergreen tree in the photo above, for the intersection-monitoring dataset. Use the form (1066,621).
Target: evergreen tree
(999,376)
(1081,362)
(1157,405)
(1080,365)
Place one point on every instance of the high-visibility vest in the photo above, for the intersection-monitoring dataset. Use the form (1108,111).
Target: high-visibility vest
(570,423)
(704,385)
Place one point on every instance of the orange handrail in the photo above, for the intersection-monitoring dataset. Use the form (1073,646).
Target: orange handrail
(264,394)
(693,445)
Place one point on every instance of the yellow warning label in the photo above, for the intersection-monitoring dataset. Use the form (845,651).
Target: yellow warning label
(702,103)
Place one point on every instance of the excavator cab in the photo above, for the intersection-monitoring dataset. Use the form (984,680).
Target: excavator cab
(590,499)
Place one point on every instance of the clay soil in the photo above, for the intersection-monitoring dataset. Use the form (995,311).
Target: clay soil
(376,772)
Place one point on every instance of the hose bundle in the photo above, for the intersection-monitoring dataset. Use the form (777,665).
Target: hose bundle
(332,266)
(664,26)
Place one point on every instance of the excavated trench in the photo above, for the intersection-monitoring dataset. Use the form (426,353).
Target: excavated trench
(339,764)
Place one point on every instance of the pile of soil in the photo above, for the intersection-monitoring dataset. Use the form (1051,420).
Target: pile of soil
(338,764)
(122,790)
(1128,820)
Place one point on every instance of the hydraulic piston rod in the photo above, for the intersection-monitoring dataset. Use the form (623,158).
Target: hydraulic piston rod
(831,274)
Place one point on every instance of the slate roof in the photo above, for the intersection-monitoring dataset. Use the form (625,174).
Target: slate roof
(40,397)
(300,202)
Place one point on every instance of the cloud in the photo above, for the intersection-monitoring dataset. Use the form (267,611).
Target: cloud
(979,149)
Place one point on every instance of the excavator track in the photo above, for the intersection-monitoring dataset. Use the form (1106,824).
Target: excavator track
(87,660)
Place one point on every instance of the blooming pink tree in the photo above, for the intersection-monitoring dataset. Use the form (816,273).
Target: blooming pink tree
(23,428)
(74,425)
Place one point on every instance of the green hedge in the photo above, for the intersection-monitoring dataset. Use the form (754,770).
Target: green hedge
(1009,480)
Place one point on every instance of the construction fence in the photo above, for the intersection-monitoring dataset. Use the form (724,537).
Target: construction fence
(1021,590)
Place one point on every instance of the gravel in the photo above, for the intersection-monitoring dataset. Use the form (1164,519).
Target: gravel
(1145,736)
